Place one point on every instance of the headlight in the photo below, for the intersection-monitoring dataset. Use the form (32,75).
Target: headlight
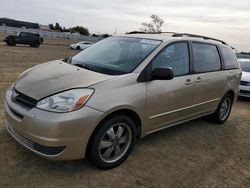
(66,101)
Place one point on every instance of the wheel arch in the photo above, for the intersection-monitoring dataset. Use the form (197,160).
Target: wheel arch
(232,93)
(128,112)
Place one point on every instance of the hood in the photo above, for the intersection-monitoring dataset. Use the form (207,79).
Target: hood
(12,36)
(49,78)
(245,76)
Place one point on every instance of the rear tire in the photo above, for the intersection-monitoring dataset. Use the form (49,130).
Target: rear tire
(112,142)
(223,111)
(36,44)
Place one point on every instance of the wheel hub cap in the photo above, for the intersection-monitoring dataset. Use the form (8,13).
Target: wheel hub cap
(225,108)
(115,142)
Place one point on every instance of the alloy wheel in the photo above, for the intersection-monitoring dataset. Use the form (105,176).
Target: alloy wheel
(115,142)
(225,108)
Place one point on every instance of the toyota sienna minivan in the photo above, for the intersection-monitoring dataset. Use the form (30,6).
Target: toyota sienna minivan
(98,102)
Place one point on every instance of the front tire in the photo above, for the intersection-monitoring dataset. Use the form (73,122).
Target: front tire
(78,48)
(224,109)
(112,142)
(11,42)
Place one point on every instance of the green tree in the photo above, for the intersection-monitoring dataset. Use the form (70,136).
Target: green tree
(58,27)
(80,29)
(51,26)
(55,27)
(154,26)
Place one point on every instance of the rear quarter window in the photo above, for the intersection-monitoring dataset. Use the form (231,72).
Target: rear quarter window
(230,60)
(206,58)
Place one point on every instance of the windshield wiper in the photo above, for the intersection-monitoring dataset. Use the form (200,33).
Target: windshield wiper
(85,66)
(96,68)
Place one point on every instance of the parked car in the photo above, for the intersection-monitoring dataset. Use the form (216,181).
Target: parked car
(245,79)
(80,45)
(98,102)
(34,40)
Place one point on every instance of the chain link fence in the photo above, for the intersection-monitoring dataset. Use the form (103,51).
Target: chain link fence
(48,34)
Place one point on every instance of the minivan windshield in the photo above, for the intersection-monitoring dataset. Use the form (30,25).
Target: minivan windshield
(115,55)
(245,65)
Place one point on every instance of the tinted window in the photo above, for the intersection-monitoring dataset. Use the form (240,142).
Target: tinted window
(206,58)
(23,34)
(229,57)
(175,56)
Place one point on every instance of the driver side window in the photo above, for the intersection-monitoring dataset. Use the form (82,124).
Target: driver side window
(175,56)
(23,34)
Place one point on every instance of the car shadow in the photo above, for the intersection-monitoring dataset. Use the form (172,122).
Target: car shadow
(244,99)
(20,46)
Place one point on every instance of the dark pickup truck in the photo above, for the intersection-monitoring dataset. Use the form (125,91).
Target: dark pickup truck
(34,40)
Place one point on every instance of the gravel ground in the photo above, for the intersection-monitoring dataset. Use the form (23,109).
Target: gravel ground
(194,154)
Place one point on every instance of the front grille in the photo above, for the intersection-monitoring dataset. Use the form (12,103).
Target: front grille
(245,92)
(24,100)
(244,83)
(34,146)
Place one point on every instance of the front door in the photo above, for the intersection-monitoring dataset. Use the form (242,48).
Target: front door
(169,101)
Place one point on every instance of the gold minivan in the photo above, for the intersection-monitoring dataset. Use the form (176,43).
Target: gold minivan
(98,102)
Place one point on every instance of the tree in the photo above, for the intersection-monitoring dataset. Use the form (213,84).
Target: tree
(94,35)
(106,35)
(55,27)
(80,29)
(154,26)
(51,26)
(58,27)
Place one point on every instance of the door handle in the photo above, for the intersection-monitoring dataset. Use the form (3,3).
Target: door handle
(188,82)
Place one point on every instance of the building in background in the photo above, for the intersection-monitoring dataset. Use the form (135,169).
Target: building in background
(19,24)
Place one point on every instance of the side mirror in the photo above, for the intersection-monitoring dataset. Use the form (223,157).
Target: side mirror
(162,74)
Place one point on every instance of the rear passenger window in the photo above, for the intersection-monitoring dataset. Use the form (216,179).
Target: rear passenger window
(206,58)
(175,56)
(229,57)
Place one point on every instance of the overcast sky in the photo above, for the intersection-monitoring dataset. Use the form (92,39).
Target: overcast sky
(225,19)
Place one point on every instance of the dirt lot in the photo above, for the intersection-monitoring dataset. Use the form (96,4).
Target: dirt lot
(194,154)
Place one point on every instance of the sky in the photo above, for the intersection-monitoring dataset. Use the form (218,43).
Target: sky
(228,20)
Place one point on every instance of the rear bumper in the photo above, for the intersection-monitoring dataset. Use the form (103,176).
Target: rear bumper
(55,136)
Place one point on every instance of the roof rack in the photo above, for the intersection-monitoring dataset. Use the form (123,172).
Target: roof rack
(143,32)
(176,34)
(198,36)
